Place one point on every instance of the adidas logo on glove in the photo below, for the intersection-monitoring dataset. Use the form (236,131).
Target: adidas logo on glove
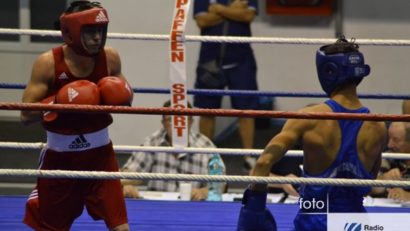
(72,93)
(79,92)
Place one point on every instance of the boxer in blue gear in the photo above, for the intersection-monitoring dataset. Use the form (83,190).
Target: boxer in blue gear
(331,148)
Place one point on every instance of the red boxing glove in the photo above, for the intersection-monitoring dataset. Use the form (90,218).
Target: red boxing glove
(79,92)
(115,91)
(49,116)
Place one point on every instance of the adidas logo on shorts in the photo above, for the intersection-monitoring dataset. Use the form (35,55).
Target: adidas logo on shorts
(101,17)
(79,142)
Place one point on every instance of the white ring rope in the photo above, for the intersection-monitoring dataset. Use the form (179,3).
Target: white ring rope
(202,178)
(124,149)
(218,39)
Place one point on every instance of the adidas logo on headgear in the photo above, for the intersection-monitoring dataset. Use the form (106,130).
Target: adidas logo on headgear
(101,17)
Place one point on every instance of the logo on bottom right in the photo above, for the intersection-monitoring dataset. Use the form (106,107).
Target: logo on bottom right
(367,221)
(353,227)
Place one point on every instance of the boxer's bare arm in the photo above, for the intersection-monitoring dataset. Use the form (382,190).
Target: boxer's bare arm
(42,76)
(113,62)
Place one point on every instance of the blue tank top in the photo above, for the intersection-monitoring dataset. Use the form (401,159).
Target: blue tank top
(346,165)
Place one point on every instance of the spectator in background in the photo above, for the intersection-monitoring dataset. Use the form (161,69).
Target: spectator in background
(399,142)
(176,163)
(234,63)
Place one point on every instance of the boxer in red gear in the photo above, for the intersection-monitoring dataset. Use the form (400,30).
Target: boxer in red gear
(115,91)
(75,141)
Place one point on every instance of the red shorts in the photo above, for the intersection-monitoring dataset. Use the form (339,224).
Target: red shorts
(56,203)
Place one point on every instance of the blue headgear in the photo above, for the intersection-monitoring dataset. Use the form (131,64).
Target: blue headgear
(337,69)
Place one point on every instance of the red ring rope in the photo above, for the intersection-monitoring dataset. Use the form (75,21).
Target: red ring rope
(213,112)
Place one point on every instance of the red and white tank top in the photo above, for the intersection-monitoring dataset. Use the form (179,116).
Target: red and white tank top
(77,123)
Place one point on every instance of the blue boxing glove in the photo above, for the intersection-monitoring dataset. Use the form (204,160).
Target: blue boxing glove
(254,216)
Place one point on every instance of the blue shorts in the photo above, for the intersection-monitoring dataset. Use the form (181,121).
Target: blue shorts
(240,77)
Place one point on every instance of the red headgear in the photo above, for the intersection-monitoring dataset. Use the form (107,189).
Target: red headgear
(73,23)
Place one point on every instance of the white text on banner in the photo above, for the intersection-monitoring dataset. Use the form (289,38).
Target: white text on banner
(178,72)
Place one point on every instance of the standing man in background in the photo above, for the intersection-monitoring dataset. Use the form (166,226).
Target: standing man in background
(235,63)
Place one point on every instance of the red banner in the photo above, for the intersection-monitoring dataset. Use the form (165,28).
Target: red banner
(300,7)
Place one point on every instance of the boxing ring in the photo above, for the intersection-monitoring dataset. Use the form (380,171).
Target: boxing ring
(168,215)
(180,215)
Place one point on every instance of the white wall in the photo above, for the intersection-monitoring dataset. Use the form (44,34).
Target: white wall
(288,68)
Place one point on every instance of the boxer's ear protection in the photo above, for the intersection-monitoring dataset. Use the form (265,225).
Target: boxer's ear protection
(330,70)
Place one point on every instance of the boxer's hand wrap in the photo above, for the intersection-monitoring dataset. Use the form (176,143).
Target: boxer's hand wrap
(115,91)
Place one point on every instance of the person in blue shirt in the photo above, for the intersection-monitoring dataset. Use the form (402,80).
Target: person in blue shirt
(237,61)
(332,148)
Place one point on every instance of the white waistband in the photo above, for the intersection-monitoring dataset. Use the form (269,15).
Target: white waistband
(77,143)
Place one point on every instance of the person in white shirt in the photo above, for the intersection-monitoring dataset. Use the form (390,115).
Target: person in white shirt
(175,163)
